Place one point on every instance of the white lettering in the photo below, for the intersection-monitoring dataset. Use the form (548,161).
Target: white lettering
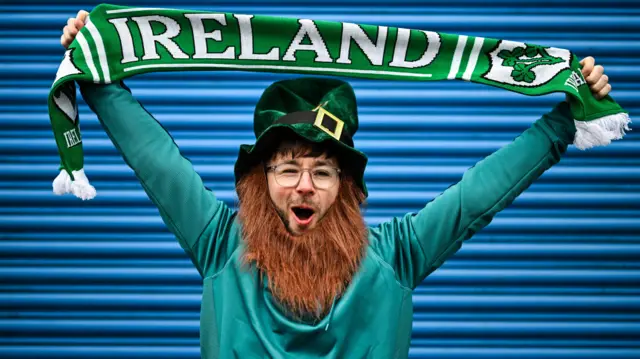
(71,137)
(246,42)
(128,53)
(374,52)
(149,39)
(402,43)
(308,28)
(200,36)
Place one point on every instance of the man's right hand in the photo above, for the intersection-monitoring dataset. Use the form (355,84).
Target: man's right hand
(73,26)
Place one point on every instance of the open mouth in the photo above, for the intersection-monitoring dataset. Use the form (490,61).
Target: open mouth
(303,215)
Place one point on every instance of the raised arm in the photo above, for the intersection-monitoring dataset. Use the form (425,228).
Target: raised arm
(200,222)
(190,211)
(419,243)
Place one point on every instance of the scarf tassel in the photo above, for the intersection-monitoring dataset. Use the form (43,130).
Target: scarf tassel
(601,131)
(80,188)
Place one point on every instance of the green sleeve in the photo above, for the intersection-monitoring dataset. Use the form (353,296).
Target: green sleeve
(200,221)
(419,243)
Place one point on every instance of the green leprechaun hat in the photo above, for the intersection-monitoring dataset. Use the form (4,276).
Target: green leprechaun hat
(319,110)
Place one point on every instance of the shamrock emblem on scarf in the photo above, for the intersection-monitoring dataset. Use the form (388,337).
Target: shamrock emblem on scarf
(522,67)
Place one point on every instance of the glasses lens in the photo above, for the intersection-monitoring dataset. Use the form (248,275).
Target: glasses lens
(287,175)
(324,177)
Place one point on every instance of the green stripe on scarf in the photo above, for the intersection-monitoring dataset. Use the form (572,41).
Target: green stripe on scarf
(119,42)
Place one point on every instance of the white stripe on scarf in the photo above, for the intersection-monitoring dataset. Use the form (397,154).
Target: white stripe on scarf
(101,52)
(473,58)
(457,57)
(86,51)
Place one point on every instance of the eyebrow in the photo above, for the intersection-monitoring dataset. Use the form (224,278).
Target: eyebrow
(317,163)
(323,163)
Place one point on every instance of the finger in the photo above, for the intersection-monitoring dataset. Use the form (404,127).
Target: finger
(78,24)
(82,16)
(587,65)
(604,80)
(71,22)
(68,36)
(71,30)
(604,92)
(595,75)
(65,41)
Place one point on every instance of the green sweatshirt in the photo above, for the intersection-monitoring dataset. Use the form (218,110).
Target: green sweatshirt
(373,319)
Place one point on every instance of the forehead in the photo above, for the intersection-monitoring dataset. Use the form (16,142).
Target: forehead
(303,153)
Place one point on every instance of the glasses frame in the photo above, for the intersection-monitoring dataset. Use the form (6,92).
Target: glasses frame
(303,170)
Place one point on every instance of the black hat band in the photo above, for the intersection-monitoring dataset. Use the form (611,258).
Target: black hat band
(322,119)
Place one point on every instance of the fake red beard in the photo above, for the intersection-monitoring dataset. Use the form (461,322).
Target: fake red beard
(305,272)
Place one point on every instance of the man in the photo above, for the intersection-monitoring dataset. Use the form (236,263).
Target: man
(296,272)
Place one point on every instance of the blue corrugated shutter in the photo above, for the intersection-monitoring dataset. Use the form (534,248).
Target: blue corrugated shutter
(556,275)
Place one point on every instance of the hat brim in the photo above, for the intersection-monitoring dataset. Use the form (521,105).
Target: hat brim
(351,160)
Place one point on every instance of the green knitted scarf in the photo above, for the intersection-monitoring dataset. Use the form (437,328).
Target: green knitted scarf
(118,42)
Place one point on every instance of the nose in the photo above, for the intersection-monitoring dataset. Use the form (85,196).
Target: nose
(305,186)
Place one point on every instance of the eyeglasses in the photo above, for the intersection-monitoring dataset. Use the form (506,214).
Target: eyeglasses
(289,175)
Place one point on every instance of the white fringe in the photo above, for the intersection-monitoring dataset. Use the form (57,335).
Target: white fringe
(80,187)
(62,183)
(601,131)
